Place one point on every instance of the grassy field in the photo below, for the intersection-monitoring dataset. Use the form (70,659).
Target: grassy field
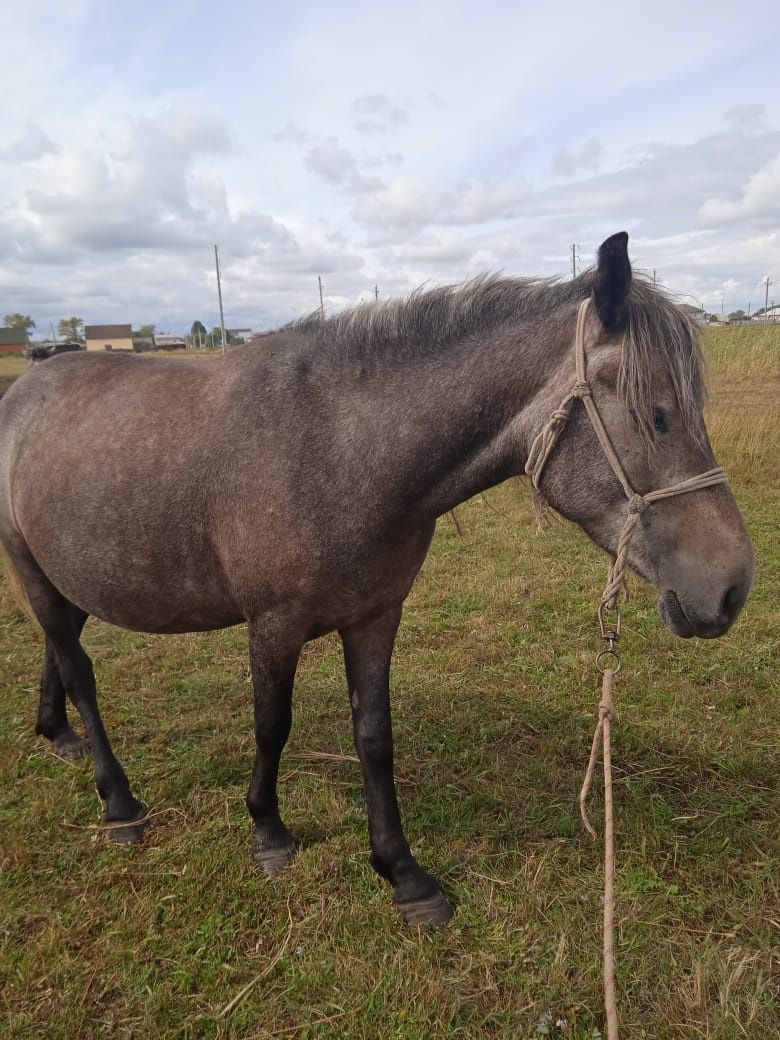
(12,365)
(495,692)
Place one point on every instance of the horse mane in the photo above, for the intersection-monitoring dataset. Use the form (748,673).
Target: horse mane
(421,324)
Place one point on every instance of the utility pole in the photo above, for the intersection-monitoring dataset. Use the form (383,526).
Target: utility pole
(322,303)
(219,293)
(766,302)
(376,292)
(654,278)
(574,258)
(722,301)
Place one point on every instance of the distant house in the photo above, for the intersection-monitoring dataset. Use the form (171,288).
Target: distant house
(13,341)
(108,337)
(239,335)
(694,313)
(163,342)
(772,315)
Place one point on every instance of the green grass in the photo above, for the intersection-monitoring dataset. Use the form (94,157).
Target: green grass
(494,693)
(12,365)
(743,353)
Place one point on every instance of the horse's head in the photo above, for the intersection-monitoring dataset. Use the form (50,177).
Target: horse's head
(644,378)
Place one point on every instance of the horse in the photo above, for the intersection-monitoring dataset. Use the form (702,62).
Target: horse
(39,352)
(295,485)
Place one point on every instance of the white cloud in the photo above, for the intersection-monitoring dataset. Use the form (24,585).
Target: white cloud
(746,117)
(330,161)
(32,145)
(291,134)
(760,200)
(477,200)
(136,193)
(445,247)
(588,157)
(377,113)
(405,202)
(401,203)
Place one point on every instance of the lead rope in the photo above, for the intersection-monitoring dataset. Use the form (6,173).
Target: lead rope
(603,737)
(615,590)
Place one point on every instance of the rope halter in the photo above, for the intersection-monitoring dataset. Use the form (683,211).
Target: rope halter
(545,441)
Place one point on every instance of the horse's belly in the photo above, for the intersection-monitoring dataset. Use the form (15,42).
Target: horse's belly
(161,606)
(137,580)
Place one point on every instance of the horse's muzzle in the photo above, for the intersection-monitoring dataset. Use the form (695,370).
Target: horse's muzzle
(682,617)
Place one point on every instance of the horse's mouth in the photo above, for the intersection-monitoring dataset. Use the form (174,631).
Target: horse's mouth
(673,615)
(686,622)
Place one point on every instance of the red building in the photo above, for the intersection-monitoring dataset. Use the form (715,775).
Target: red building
(13,341)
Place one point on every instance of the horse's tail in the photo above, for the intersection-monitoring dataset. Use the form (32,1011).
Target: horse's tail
(16,588)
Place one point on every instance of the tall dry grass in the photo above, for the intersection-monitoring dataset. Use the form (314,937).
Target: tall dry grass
(744,412)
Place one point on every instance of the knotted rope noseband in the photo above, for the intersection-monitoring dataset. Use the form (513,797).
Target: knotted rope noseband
(541,449)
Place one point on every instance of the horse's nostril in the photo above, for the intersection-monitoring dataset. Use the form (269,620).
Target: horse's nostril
(732,602)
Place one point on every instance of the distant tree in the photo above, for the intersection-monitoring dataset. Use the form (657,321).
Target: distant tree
(145,332)
(216,336)
(19,321)
(198,333)
(737,315)
(71,328)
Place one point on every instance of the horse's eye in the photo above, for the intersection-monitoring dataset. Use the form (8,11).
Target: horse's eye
(659,420)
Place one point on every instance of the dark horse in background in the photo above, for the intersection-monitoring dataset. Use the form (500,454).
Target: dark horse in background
(302,490)
(42,353)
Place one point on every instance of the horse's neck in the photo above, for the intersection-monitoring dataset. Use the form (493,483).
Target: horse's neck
(460,423)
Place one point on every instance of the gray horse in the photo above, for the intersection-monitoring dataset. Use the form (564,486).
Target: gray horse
(295,485)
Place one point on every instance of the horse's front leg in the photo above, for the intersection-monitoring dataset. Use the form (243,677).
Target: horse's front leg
(367,652)
(273,657)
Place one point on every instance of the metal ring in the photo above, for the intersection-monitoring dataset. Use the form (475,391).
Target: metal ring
(613,652)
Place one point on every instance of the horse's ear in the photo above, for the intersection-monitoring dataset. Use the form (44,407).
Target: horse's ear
(613,280)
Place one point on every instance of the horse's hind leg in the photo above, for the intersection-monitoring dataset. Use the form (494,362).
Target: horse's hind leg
(52,714)
(367,652)
(62,626)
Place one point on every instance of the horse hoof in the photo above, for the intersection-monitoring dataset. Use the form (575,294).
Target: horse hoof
(432,912)
(128,832)
(70,745)
(274,861)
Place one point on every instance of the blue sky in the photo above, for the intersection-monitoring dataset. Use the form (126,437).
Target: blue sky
(377,145)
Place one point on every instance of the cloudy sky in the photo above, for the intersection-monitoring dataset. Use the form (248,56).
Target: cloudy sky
(377,145)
